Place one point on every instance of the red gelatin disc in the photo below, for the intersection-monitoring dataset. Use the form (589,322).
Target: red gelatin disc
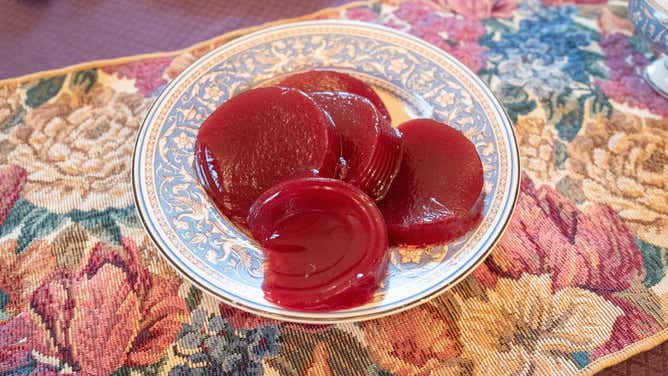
(369,145)
(438,194)
(324,80)
(325,244)
(260,138)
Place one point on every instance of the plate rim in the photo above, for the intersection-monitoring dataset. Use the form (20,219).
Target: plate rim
(300,317)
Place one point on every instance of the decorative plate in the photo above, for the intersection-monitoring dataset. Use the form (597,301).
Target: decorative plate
(414,78)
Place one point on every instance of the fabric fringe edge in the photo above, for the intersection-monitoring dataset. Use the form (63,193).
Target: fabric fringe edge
(627,352)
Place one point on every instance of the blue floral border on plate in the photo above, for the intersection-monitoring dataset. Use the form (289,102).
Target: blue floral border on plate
(196,239)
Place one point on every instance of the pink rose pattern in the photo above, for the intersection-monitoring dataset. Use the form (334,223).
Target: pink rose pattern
(12,180)
(108,312)
(148,74)
(549,234)
(361,14)
(457,34)
(480,9)
(626,84)
(90,298)
(591,250)
(564,2)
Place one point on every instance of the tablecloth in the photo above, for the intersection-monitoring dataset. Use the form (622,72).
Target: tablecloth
(577,283)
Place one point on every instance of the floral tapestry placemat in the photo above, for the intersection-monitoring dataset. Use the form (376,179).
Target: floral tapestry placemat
(578,282)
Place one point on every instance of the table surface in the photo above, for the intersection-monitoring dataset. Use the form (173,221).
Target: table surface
(33,36)
(43,35)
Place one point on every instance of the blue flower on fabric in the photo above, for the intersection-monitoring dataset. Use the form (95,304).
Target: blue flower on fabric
(546,53)
(538,77)
(211,346)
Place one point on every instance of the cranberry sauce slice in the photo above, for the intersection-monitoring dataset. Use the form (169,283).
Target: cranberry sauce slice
(324,80)
(260,138)
(325,244)
(438,194)
(369,145)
